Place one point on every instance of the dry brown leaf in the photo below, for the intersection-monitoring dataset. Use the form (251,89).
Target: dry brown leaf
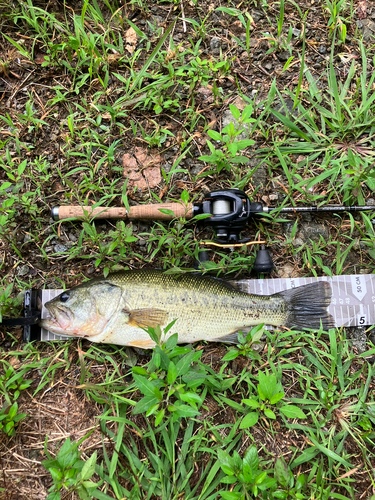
(40,58)
(142,169)
(131,40)
(207,94)
(113,58)
(362,9)
(239,103)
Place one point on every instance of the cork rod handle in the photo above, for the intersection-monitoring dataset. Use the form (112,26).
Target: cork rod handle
(147,212)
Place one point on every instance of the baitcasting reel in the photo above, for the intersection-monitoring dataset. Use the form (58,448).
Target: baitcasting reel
(230,211)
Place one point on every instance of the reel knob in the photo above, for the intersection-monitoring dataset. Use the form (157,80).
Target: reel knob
(263,261)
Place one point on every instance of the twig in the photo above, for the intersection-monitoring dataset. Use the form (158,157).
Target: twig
(20,86)
(183,16)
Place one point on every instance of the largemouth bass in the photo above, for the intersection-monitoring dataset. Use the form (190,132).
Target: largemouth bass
(116,309)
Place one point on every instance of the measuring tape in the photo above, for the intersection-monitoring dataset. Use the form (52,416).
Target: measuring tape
(353,296)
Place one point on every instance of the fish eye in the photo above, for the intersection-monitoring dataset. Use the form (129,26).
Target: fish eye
(64,296)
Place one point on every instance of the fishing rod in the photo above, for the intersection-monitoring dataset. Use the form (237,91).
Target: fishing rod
(228,212)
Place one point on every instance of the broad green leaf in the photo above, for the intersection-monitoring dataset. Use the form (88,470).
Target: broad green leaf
(247,472)
(269,414)
(89,485)
(276,398)
(209,158)
(251,458)
(232,148)
(172,340)
(67,454)
(225,462)
(172,373)
(251,403)
(239,159)
(139,370)
(249,420)
(229,480)
(89,467)
(262,476)
(292,411)
(231,495)
(185,196)
(145,386)
(5,185)
(192,398)
(100,495)
(12,411)
(186,411)
(184,365)
(167,211)
(214,135)
(55,495)
(144,404)
(282,473)
(9,426)
(245,143)
(159,417)
(280,494)
(228,10)
(267,385)
(235,111)
(300,482)
(230,355)
(247,112)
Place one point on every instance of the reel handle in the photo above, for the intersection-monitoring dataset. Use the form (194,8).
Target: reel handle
(145,212)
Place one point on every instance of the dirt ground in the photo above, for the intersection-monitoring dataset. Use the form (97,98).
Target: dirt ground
(35,252)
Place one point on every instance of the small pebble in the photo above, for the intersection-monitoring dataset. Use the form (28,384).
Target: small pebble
(322,49)
(283,56)
(296,32)
(298,242)
(23,270)
(59,248)
(215,43)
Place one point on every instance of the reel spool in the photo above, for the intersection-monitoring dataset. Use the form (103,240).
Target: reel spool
(230,212)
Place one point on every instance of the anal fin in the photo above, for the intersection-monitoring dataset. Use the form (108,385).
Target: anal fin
(231,338)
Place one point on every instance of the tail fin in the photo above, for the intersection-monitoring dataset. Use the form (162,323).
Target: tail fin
(308,305)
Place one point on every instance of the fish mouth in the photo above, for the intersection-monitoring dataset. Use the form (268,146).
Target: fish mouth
(59,319)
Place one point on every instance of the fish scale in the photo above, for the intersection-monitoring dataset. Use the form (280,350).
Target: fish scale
(118,308)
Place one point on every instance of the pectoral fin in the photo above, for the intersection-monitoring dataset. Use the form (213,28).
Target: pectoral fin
(146,317)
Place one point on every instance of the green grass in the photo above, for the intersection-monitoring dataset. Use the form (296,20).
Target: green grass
(280,415)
